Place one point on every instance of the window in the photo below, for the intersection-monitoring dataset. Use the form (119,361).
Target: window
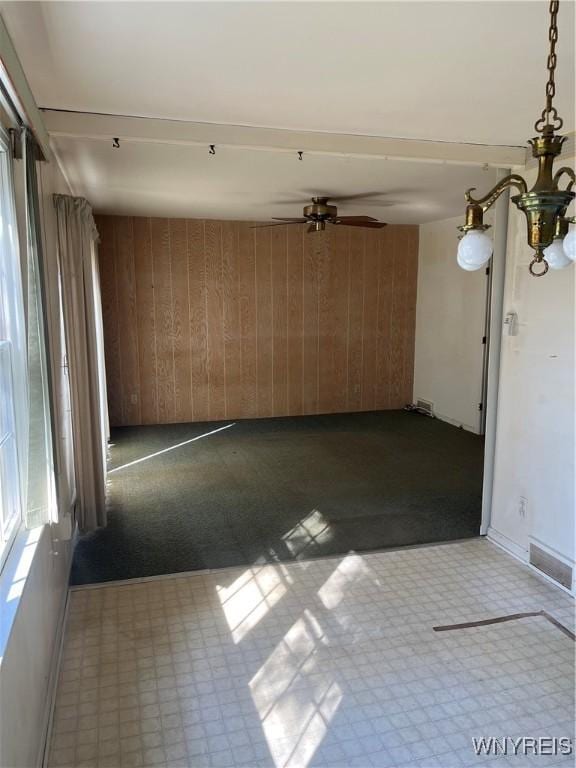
(13,378)
(40,497)
(10,501)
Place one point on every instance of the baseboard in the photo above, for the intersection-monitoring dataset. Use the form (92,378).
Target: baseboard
(508,545)
(456,423)
(55,663)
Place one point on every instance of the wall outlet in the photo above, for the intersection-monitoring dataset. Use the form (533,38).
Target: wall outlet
(511,323)
(523,507)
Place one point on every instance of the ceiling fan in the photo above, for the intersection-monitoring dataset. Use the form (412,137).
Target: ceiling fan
(318,213)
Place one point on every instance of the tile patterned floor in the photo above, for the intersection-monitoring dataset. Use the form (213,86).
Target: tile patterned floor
(331,662)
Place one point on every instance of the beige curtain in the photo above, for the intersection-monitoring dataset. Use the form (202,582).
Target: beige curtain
(77,238)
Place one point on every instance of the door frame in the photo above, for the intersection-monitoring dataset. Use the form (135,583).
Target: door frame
(494,325)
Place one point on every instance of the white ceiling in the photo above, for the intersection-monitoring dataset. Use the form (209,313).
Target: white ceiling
(175,180)
(447,71)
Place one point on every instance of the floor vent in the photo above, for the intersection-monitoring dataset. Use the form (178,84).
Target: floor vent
(551,566)
(425,406)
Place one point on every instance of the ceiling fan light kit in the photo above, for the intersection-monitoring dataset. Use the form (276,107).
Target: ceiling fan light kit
(544,205)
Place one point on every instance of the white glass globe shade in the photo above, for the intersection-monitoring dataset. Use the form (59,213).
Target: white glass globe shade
(569,245)
(466,265)
(555,255)
(475,248)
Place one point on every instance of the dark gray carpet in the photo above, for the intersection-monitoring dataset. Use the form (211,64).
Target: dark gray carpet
(281,489)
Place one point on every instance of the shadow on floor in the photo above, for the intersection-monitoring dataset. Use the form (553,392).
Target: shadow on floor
(184,497)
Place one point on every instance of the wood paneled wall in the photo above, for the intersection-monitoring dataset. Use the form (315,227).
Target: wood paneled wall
(209,320)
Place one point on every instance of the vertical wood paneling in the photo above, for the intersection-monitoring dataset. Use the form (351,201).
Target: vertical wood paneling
(355,318)
(146,327)
(313,245)
(230,282)
(127,321)
(198,326)
(248,337)
(181,320)
(295,288)
(326,323)
(107,270)
(265,349)
(278,247)
(370,321)
(163,318)
(340,277)
(384,331)
(207,320)
(215,319)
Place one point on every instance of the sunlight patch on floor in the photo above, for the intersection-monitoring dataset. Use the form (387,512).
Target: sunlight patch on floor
(349,570)
(170,448)
(248,599)
(295,698)
(312,529)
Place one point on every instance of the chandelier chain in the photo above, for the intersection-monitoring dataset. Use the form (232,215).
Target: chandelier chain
(550,120)
(546,203)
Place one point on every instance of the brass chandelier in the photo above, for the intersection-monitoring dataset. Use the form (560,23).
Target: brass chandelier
(544,205)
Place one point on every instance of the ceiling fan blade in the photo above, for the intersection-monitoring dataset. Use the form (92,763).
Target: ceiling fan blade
(279,223)
(348,219)
(380,197)
(372,202)
(357,196)
(366,224)
(306,196)
(300,220)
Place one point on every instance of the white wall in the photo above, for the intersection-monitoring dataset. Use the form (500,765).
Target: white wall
(535,424)
(450,313)
(26,672)
(33,589)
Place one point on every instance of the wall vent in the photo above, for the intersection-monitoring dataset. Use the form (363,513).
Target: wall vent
(425,406)
(551,566)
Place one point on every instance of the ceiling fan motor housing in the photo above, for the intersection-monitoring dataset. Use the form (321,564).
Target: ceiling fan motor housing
(319,210)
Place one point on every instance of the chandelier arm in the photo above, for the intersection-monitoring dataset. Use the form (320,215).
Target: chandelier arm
(566,171)
(512,180)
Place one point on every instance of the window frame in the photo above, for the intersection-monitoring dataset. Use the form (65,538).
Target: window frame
(12,317)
